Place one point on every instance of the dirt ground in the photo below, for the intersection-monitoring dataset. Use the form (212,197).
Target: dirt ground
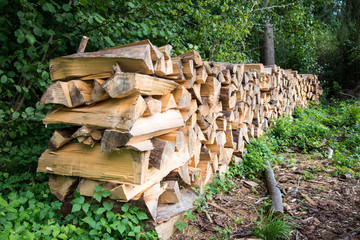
(323,206)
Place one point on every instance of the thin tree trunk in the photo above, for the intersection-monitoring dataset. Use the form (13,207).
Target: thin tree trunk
(267,52)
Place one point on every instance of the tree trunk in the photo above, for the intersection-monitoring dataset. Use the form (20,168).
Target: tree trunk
(267,52)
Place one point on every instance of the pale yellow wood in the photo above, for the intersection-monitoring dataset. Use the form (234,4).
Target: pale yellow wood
(125,84)
(130,59)
(119,114)
(98,94)
(172,192)
(153,106)
(57,93)
(155,52)
(126,192)
(76,159)
(167,102)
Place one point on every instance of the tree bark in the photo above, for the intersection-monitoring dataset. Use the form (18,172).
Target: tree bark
(267,52)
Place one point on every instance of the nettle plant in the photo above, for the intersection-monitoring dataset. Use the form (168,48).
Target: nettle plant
(100,222)
(25,215)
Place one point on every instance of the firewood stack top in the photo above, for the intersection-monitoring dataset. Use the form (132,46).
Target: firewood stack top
(143,123)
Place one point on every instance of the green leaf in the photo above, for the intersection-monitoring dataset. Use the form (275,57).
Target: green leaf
(89,220)
(97,196)
(141,215)
(98,188)
(121,227)
(31,39)
(20,36)
(66,7)
(108,206)
(85,207)
(106,193)
(29,110)
(109,41)
(15,115)
(76,208)
(100,211)
(37,31)
(3,79)
(125,207)
(18,88)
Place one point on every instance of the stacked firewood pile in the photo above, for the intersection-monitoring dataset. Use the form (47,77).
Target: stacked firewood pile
(143,123)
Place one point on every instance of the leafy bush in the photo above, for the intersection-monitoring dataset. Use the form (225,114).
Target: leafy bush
(28,211)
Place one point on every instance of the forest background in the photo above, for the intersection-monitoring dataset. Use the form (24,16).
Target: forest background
(321,37)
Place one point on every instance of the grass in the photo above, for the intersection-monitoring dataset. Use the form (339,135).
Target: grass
(271,226)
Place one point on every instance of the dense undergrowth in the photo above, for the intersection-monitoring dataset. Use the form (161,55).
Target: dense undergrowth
(29,211)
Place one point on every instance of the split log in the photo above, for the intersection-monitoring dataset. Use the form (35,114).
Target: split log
(119,114)
(61,137)
(153,106)
(130,59)
(80,92)
(143,129)
(171,194)
(123,166)
(163,150)
(98,94)
(57,93)
(125,192)
(124,84)
(62,186)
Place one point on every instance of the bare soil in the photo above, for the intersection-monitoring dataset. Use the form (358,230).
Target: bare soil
(323,205)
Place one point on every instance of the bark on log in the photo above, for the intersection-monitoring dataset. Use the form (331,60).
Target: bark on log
(273,189)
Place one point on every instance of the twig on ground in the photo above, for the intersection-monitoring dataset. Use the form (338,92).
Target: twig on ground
(222,209)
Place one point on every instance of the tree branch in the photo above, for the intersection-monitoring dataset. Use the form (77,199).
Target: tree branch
(277,6)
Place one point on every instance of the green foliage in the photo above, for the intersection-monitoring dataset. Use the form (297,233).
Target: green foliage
(334,125)
(28,211)
(271,226)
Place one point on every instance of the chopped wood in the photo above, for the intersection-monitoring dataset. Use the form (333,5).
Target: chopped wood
(153,106)
(143,129)
(124,84)
(114,113)
(62,186)
(172,192)
(61,137)
(123,166)
(130,59)
(163,150)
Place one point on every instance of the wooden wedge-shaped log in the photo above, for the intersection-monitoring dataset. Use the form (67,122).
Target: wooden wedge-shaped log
(62,186)
(125,192)
(118,114)
(143,129)
(130,59)
(155,52)
(182,97)
(171,194)
(167,102)
(162,151)
(123,166)
(194,55)
(98,94)
(153,106)
(57,93)
(80,92)
(61,137)
(124,84)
